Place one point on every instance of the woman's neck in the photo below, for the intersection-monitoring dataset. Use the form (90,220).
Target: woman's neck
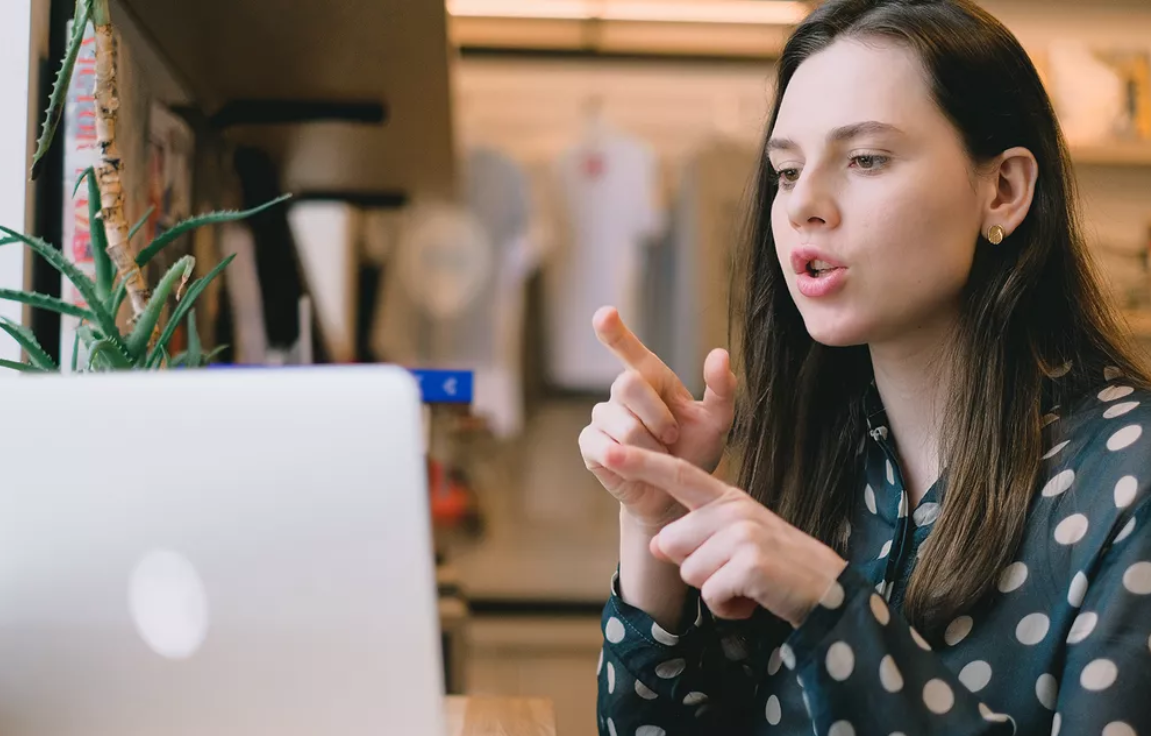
(914,383)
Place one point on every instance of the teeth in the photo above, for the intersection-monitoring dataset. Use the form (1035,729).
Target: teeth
(821,266)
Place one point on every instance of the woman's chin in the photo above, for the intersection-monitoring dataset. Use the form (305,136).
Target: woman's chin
(837,335)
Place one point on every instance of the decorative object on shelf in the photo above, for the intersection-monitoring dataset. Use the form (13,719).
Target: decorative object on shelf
(118,274)
(1102,94)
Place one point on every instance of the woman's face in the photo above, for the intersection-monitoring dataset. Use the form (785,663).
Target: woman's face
(878,213)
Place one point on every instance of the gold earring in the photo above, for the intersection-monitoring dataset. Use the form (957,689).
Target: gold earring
(996,234)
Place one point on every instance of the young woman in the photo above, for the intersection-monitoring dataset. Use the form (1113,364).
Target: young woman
(941,522)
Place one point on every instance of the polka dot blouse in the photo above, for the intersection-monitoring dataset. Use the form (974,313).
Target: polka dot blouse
(1061,644)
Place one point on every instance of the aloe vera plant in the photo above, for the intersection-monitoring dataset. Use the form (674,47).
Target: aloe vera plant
(118,273)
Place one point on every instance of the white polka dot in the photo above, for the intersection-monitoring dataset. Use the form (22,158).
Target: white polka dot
(1056,724)
(1137,579)
(1125,491)
(1047,690)
(990,715)
(1099,675)
(788,656)
(1126,530)
(886,549)
(846,529)
(774,712)
(1082,627)
(958,630)
(1118,728)
(1061,371)
(1078,590)
(1056,450)
(833,598)
(774,662)
(1012,577)
(1032,629)
(841,728)
(1059,484)
(926,513)
(1111,393)
(889,675)
(610,678)
(1049,419)
(975,676)
(694,698)
(937,696)
(701,710)
(1124,437)
(670,669)
(644,691)
(890,474)
(614,630)
(662,636)
(902,505)
(1071,529)
(611,727)
(920,640)
(1119,410)
(1110,373)
(840,661)
(650,731)
(599,666)
(879,610)
(869,499)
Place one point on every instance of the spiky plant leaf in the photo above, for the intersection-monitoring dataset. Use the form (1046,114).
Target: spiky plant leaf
(194,347)
(75,352)
(22,367)
(118,297)
(189,300)
(105,270)
(36,352)
(43,301)
(105,353)
(137,343)
(60,87)
(141,223)
(212,218)
(78,278)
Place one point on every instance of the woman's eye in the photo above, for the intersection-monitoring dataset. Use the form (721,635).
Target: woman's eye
(787,177)
(869,162)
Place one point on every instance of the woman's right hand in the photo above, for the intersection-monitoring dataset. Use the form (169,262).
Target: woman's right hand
(651,408)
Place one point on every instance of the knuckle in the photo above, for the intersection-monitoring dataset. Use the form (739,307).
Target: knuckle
(598,411)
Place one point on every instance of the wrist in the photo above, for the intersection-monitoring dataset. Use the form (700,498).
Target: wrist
(645,527)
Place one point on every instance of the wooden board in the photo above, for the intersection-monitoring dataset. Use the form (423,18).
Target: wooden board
(479,716)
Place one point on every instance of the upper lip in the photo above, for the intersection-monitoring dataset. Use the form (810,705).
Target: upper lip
(801,258)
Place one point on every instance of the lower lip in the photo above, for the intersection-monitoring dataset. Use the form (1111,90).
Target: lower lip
(815,287)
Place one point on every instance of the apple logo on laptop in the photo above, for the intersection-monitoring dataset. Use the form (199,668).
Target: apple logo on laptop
(168,604)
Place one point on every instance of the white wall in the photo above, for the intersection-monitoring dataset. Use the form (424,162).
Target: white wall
(16,125)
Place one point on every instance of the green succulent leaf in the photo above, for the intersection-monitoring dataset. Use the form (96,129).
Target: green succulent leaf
(107,354)
(60,87)
(141,223)
(36,352)
(179,273)
(212,218)
(43,301)
(105,270)
(189,300)
(22,367)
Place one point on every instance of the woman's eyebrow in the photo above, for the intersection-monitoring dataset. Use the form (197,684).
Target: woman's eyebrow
(838,135)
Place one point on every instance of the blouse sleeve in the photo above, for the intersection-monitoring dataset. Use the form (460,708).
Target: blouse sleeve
(701,680)
(865,670)
(1106,679)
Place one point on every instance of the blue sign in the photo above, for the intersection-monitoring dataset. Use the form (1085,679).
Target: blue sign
(445,387)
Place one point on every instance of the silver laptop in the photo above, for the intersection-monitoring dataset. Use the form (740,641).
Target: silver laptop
(216,552)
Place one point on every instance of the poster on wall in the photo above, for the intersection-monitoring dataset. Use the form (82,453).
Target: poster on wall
(80,152)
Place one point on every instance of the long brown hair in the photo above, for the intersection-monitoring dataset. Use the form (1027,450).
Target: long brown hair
(1030,305)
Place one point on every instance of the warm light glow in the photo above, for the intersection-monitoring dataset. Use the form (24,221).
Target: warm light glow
(758,12)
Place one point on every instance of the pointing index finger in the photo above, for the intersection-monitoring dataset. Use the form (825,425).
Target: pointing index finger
(681,480)
(623,343)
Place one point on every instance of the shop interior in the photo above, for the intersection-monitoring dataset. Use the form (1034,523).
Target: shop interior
(434,155)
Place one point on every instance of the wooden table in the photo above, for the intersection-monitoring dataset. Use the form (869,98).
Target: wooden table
(480,716)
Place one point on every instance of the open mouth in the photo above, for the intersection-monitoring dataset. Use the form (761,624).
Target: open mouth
(820,268)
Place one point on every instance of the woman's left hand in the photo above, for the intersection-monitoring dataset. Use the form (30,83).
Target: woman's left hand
(733,549)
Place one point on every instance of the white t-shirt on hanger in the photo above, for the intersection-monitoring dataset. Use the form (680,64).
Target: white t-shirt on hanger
(606,191)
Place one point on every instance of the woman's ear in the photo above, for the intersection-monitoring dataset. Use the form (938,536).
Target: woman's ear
(1012,178)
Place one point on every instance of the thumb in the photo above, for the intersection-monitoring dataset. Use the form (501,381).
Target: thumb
(719,398)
